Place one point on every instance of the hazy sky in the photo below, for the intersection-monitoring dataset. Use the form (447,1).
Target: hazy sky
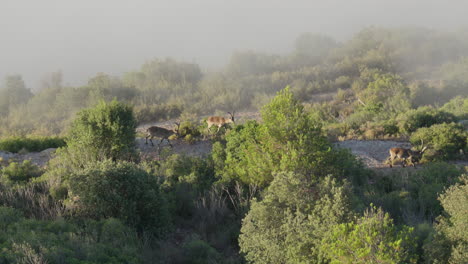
(83,37)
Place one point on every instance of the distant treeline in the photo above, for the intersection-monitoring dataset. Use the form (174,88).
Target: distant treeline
(429,66)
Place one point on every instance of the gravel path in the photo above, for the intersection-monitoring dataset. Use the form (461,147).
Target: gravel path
(372,152)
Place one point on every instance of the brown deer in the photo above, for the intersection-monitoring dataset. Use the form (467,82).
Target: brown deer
(161,132)
(219,121)
(406,155)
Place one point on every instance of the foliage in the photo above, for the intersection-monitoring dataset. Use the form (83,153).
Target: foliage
(289,223)
(411,197)
(450,242)
(33,200)
(373,238)
(121,190)
(458,106)
(19,173)
(32,144)
(288,140)
(184,179)
(412,120)
(197,251)
(106,241)
(445,140)
(383,90)
(106,131)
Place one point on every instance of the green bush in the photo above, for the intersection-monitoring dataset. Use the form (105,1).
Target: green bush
(31,144)
(184,180)
(296,213)
(372,238)
(445,140)
(189,131)
(457,106)
(34,241)
(411,197)
(412,120)
(121,190)
(19,173)
(197,251)
(450,242)
(106,131)
(8,216)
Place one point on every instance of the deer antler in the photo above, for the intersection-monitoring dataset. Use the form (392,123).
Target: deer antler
(177,127)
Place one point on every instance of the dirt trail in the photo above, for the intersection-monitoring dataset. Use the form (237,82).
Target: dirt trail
(372,152)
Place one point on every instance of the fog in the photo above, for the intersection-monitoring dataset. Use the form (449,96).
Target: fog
(84,37)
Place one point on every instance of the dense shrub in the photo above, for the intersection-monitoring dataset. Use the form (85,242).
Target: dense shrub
(372,238)
(412,120)
(411,197)
(457,106)
(33,200)
(197,251)
(289,223)
(445,141)
(106,131)
(33,241)
(184,180)
(121,190)
(19,173)
(450,242)
(16,144)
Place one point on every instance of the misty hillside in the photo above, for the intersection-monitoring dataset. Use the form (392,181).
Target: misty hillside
(429,64)
(334,151)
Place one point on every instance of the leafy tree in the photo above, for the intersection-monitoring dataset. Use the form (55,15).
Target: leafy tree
(296,213)
(450,242)
(372,238)
(289,139)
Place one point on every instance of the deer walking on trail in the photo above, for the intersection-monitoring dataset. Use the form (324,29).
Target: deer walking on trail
(219,121)
(161,132)
(407,156)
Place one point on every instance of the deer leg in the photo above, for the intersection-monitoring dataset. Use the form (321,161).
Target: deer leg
(170,143)
(146,140)
(151,140)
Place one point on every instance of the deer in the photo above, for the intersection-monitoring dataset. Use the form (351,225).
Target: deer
(219,121)
(161,132)
(406,155)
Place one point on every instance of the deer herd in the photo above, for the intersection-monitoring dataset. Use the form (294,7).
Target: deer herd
(163,133)
(406,156)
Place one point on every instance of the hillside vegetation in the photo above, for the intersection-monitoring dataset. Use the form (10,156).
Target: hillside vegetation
(270,191)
